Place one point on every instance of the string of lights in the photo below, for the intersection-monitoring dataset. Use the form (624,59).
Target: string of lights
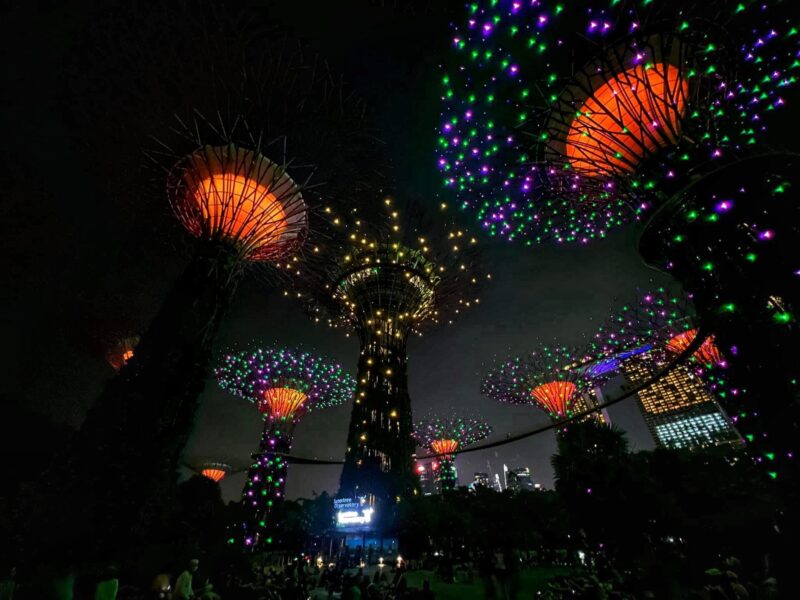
(384,281)
(631,392)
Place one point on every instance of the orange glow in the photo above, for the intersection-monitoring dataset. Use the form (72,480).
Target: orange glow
(122,352)
(230,193)
(237,206)
(707,353)
(213,474)
(282,402)
(555,396)
(628,117)
(444,446)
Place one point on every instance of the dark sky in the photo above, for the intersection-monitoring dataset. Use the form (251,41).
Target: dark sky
(79,264)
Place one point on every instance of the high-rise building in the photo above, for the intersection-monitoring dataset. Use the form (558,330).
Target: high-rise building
(678,409)
(497,485)
(588,400)
(520,480)
(482,480)
(427,473)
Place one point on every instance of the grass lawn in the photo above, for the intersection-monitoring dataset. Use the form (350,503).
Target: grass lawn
(533,580)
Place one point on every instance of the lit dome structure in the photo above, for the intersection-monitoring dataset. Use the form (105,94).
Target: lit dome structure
(215,471)
(231,193)
(284,385)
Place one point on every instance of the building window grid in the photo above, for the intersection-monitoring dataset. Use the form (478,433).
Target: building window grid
(694,431)
(677,390)
(664,407)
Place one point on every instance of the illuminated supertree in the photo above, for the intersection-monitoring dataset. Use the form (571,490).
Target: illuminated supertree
(260,123)
(384,285)
(550,378)
(562,120)
(121,351)
(284,385)
(659,324)
(215,471)
(445,436)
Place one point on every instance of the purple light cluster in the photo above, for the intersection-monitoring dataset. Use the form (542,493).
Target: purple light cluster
(249,374)
(510,67)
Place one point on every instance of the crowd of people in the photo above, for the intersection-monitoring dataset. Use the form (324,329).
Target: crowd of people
(498,573)
(295,581)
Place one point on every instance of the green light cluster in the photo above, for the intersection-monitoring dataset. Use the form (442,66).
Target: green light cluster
(517,79)
(249,374)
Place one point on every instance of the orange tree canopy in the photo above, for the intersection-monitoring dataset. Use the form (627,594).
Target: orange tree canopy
(631,115)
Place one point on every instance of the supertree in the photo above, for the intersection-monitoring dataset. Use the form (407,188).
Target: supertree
(731,239)
(284,385)
(550,378)
(383,283)
(661,324)
(242,127)
(444,436)
(562,120)
(215,471)
(121,351)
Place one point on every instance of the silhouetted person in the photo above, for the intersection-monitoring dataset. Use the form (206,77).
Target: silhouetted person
(8,585)
(108,587)
(183,586)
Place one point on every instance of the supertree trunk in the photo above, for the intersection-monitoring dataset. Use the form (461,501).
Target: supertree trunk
(115,485)
(264,490)
(447,473)
(379,443)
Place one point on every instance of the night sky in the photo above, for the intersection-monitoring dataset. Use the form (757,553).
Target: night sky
(80,264)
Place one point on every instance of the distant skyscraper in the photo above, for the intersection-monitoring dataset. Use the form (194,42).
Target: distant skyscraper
(678,409)
(429,479)
(520,480)
(481,480)
(596,400)
(425,479)
(497,485)
(586,401)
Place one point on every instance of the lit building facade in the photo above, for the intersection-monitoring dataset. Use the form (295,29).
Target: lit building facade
(519,480)
(429,479)
(678,409)
(586,401)
(497,486)
(482,480)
